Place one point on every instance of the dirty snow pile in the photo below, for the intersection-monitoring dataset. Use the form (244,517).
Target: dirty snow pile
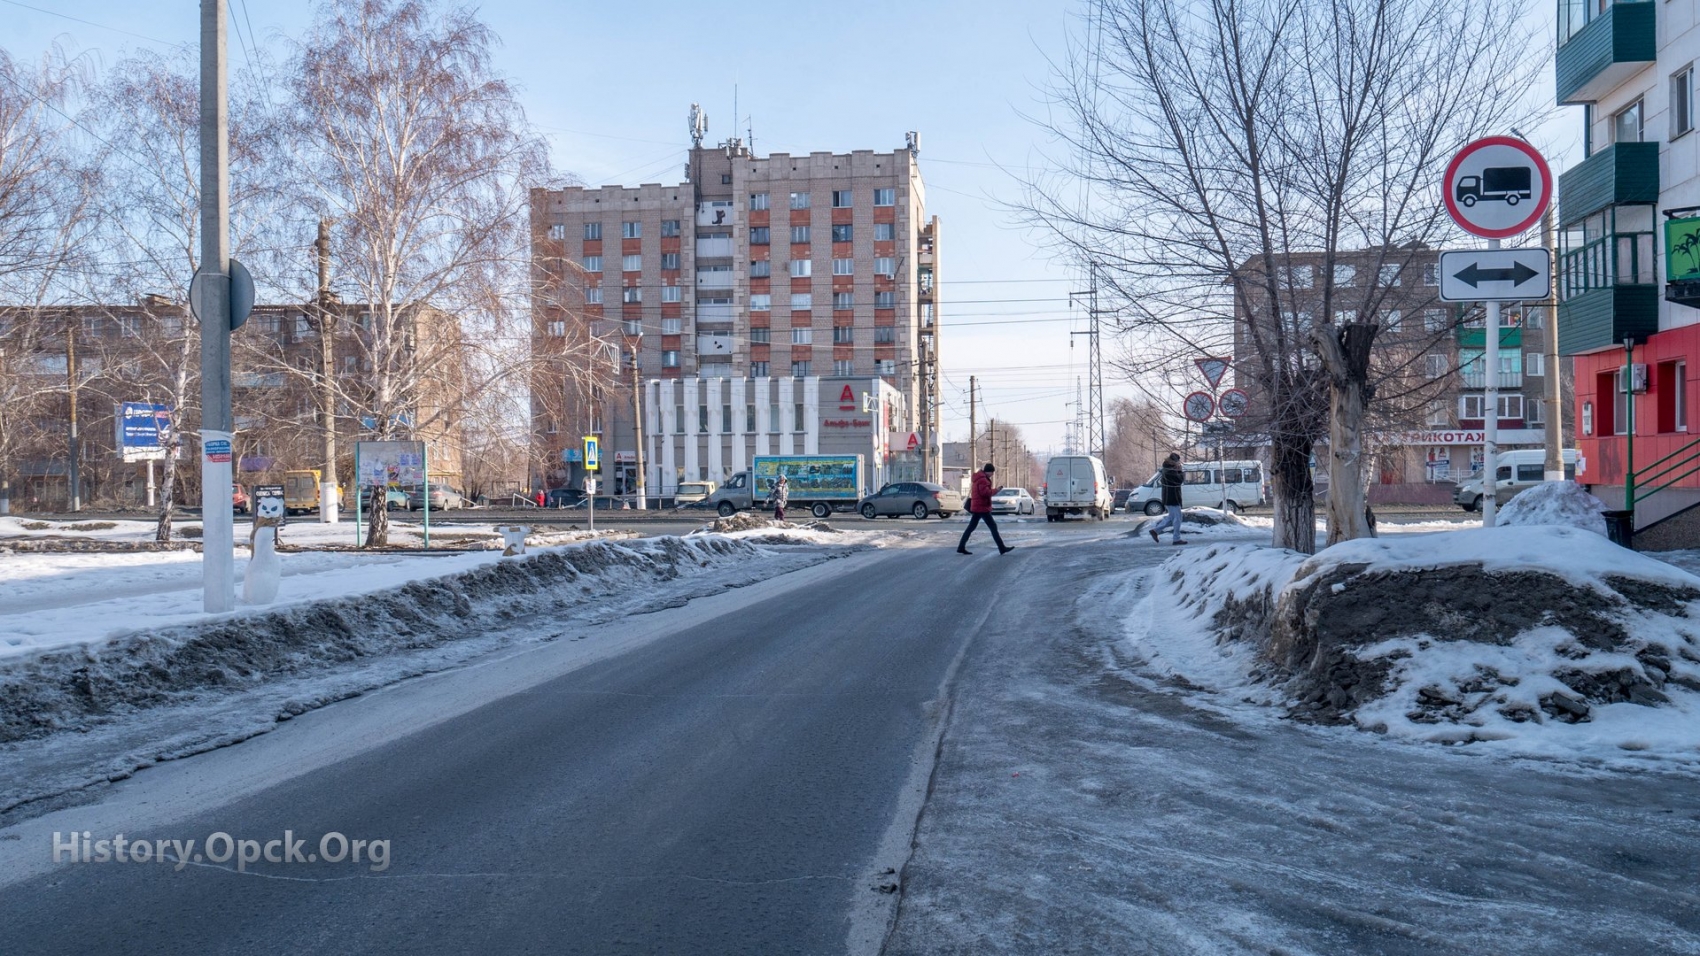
(1562,504)
(1199,521)
(758,529)
(46,689)
(1530,640)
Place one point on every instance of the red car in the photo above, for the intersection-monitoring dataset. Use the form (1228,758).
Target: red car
(239,500)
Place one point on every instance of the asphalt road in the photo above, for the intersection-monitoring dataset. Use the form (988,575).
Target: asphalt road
(741,785)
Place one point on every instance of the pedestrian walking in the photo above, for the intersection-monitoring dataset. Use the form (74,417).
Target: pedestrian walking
(1171,478)
(541,497)
(778,496)
(980,509)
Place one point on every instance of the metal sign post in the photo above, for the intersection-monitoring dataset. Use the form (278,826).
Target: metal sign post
(592,464)
(1496,188)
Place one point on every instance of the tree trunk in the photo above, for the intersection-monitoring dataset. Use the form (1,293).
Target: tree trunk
(167,497)
(1294,493)
(378,519)
(1346,518)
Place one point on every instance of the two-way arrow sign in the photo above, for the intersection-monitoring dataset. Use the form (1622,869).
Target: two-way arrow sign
(1495,275)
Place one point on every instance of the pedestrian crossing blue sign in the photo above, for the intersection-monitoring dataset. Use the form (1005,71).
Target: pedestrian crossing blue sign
(592,453)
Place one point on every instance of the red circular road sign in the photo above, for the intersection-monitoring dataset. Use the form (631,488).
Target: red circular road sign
(1497,187)
(1233,402)
(1198,406)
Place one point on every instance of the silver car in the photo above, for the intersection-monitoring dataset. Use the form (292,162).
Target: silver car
(915,498)
(1012,501)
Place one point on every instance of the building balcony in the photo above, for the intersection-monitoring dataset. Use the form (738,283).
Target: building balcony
(718,279)
(717,247)
(1472,378)
(1475,337)
(1607,288)
(1598,319)
(1616,175)
(1600,48)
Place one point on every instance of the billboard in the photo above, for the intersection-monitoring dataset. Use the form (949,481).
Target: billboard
(811,476)
(144,430)
(381,463)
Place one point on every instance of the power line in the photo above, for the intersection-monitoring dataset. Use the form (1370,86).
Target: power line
(98,26)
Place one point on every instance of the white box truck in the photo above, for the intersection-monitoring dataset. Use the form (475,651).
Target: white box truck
(1075,484)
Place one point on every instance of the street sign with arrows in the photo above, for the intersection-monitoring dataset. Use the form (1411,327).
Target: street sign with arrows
(1495,275)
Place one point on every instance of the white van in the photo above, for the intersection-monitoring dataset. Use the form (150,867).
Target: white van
(1075,484)
(1518,469)
(1204,487)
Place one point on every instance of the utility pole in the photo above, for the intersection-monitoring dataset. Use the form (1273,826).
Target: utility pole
(1094,410)
(73,462)
(637,429)
(1554,467)
(973,446)
(992,442)
(1490,414)
(327,378)
(218,550)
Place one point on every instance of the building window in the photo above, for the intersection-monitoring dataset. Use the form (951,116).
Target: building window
(762,302)
(1435,366)
(885,335)
(802,336)
(670,359)
(1472,406)
(758,201)
(593,230)
(1391,318)
(885,266)
(800,370)
(1534,363)
(884,232)
(631,230)
(1390,273)
(886,366)
(669,228)
(1345,317)
(678,415)
(632,326)
(802,268)
(761,235)
(761,336)
(631,294)
(558,230)
(1435,320)
(726,419)
(1298,277)
(843,233)
(797,418)
(1431,274)
(758,370)
(1626,124)
(799,235)
(885,197)
(702,419)
(843,367)
(1345,275)
(885,300)
(669,261)
(843,301)
(1437,415)
(843,267)
(725,180)
(799,200)
(843,335)
(558,329)
(593,263)
(802,301)
(841,199)
(761,269)
(1682,103)
(1679,395)
(631,263)
(671,326)
(1535,412)
(671,293)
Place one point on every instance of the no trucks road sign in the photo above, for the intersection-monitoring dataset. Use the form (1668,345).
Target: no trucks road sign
(1497,187)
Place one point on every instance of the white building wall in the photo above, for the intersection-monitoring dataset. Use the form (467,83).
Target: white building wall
(693,402)
(715,398)
(787,416)
(740,419)
(811,415)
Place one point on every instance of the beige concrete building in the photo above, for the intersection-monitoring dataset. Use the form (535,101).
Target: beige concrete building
(756,270)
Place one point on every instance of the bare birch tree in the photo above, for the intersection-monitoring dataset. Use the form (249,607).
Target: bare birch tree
(1222,143)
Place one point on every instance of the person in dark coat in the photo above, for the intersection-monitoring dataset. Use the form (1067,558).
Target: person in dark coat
(980,509)
(781,493)
(1171,478)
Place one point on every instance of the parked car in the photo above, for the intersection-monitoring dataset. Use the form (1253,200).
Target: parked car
(394,498)
(239,500)
(1519,469)
(692,491)
(443,498)
(916,498)
(1118,500)
(562,497)
(1013,501)
(1206,483)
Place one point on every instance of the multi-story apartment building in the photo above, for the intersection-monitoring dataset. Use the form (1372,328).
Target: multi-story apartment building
(91,358)
(760,282)
(1633,201)
(1426,422)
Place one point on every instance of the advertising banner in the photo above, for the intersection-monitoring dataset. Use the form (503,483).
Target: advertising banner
(144,430)
(811,476)
(382,463)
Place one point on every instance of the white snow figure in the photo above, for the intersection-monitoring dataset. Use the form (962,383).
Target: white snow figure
(259,585)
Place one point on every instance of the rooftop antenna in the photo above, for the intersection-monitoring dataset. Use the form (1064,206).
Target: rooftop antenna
(699,125)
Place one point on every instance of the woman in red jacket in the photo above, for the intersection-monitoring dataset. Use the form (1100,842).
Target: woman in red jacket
(980,509)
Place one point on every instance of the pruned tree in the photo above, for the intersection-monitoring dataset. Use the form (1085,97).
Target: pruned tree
(1138,438)
(1225,156)
(417,152)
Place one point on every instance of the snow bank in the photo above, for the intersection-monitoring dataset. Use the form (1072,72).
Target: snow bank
(47,690)
(1559,503)
(1533,640)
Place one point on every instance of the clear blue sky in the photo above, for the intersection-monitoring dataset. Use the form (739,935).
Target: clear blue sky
(610,85)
